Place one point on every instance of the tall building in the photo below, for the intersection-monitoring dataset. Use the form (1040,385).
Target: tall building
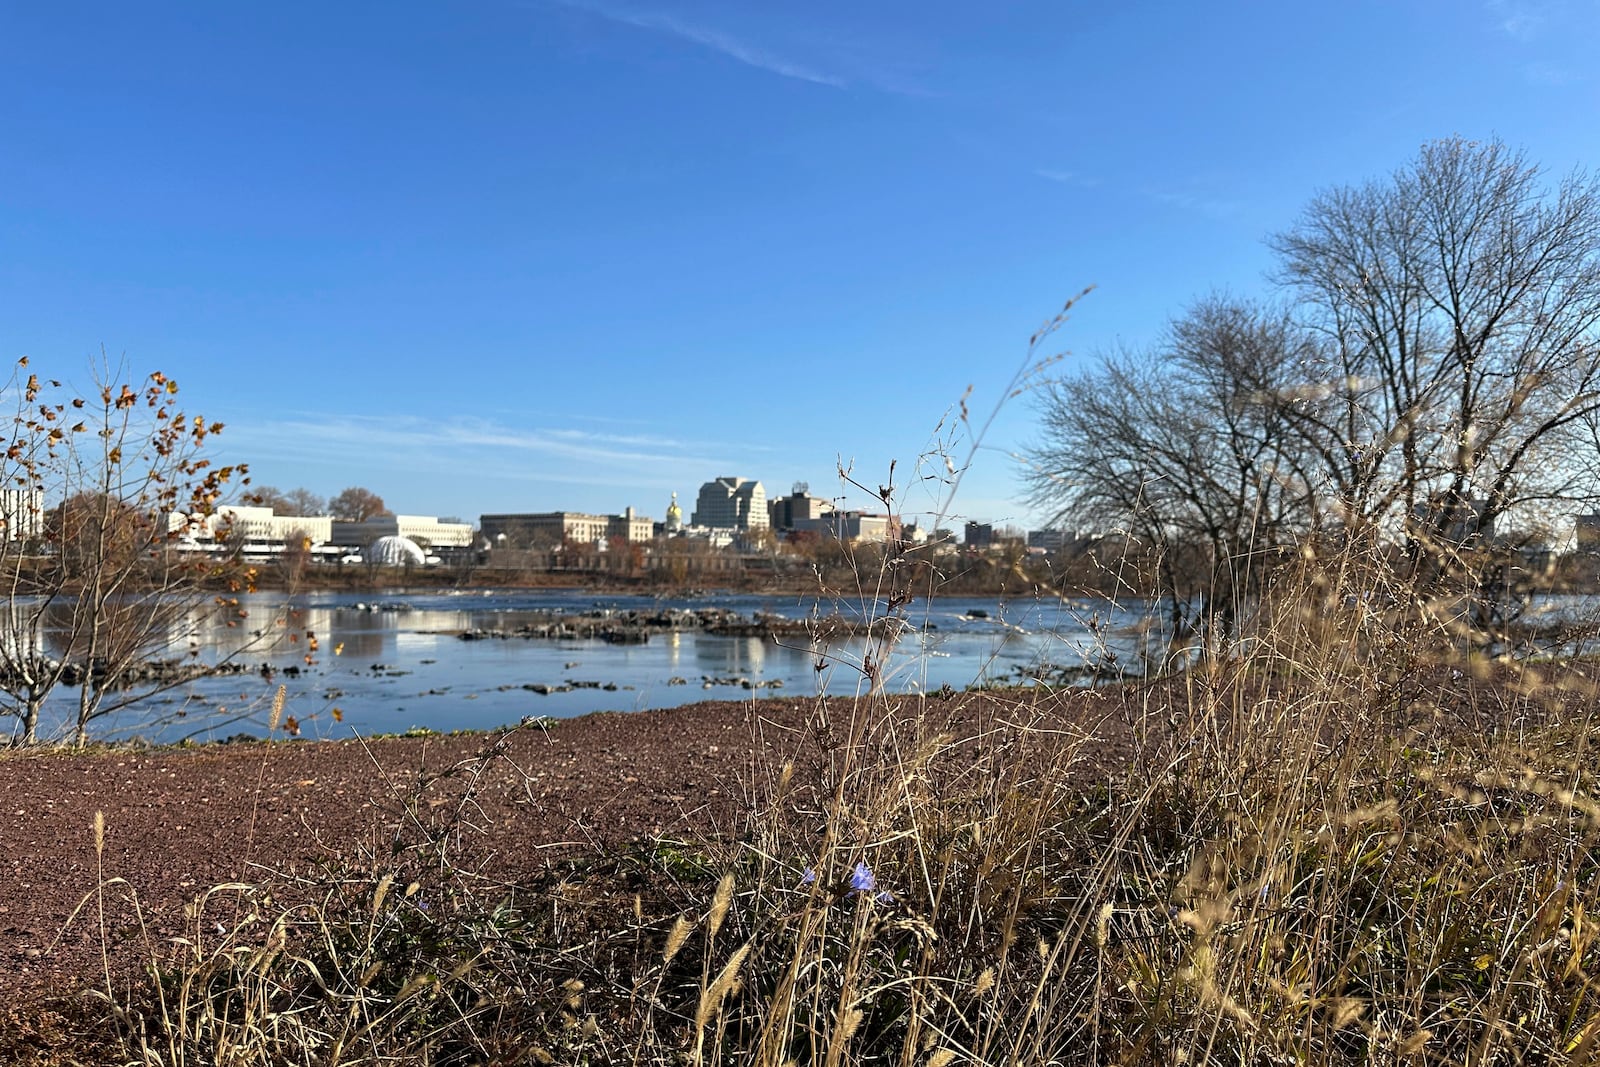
(730,503)
(792,512)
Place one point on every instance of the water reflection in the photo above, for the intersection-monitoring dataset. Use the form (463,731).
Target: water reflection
(392,662)
(730,655)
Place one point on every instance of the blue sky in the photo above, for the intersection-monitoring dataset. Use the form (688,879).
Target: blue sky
(577,254)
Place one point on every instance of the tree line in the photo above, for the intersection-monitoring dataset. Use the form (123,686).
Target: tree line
(354,504)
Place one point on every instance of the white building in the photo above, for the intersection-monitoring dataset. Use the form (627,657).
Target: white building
(730,503)
(259,526)
(848,526)
(21,514)
(253,531)
(422,529)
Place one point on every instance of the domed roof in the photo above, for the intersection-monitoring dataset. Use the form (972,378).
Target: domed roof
(395,552)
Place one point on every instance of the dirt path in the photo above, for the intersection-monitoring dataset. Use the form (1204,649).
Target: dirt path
(178,821)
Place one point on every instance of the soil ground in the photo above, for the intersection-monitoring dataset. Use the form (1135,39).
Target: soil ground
(179,821)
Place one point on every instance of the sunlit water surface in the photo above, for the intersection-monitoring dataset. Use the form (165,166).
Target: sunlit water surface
(390,663)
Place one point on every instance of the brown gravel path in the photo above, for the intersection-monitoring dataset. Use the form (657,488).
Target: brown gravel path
(178,821)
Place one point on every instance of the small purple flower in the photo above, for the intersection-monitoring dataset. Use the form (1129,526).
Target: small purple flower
(808,876)
(884,897)
(862,879)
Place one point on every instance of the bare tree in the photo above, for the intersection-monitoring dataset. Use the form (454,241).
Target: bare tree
(104,582)
(1178,447)
(295,557)
(303,502)
(1437,376)
(268,496)
(356,504)
(297,502)
(1457,306)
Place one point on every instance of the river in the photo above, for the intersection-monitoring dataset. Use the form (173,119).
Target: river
(385,663)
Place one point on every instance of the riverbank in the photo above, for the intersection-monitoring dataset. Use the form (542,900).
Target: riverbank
(559,859)
(179,821)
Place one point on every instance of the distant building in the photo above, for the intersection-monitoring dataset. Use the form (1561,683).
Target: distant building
(547,529)
(730,503)
(1586,533)
(1464,524)
(978,535)
(396,552)
(437,535)
(848,526)
(254,532)
(634,529)
(714,537)
(21,514)
(1051,540)
(798,509)
(259,530)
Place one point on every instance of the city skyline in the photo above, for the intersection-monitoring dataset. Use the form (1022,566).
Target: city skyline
(565,254)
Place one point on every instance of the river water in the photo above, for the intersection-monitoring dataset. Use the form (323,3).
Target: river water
(384,663)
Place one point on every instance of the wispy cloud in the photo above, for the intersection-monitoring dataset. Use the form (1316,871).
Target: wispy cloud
(472,463)
(468,436)
(705,37)
(1550,74)
(1067,177)
(1520,19)
(1209,206)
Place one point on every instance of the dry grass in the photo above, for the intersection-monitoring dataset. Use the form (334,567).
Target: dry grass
(1352,840)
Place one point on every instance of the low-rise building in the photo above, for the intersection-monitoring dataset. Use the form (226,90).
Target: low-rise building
(629,527)
(425,530)
(254,532)
(256,526)
(1586,532)
(716,538)
(1460,522)
(547,529)
(848,526)
(1051,540)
